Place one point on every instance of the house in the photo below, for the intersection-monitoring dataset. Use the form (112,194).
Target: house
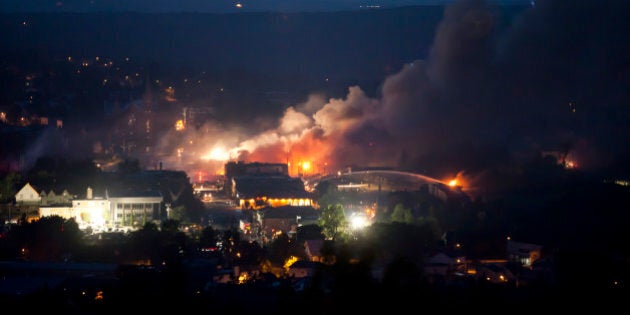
(492,272)
(66,212)
(51,198)
(285,219)
(440,265)
(27,196)
(313,249)
(524,253)
(28,201)
(304,268)
(88,212)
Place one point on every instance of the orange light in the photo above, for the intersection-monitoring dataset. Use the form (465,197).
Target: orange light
(452,182)
(306,165)
(179,125)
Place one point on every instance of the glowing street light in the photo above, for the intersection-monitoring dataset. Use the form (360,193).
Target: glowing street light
(358,221)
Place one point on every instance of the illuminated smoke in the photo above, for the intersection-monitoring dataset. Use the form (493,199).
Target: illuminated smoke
(410,122)
(482,97)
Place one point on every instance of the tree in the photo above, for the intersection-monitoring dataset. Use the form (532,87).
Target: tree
(51,238)
(144,244)
(395,239)
(229,240)
(402,275)
(333,222)
(8,186)
(327,194)
(208,237)
(278,250)
(177,213)
(401,214)
(309,232)
(170,226)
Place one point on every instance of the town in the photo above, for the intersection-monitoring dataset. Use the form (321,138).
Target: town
(451,158)
(258,233)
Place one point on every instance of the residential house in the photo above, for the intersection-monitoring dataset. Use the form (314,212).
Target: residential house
(304,268)
(27,200)
(439,265)
(313,248)
(27,196)
(524,253)
(285,219)
(51,198)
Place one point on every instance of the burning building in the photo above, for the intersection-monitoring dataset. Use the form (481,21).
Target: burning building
(258,185)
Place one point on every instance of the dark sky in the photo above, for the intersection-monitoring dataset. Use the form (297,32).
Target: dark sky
(216,6)
(555,78)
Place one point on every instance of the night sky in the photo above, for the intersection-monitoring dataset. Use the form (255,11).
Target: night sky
(488,92)
(555,79)
(215,6)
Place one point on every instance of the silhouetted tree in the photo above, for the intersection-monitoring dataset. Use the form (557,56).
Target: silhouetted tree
(144,243)
(169,226)
(401,276)
(401,240)
(51,238)
(229,240)
(327,194)
(9,186)
(278,250)
(328,252)
(402,214)
(208,237)
(309,232)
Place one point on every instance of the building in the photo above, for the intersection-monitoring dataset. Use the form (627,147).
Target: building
(27,202)
(313,249)
(121,212)
(91,212)
(27,196)
(255,192)
(258,185)
(285,219)
(135,209)
(51,198)
(234,169)
(523,253)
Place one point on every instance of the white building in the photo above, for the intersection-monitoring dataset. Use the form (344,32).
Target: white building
(28,196)
(120,213)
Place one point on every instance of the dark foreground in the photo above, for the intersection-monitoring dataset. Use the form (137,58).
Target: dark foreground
(104,295)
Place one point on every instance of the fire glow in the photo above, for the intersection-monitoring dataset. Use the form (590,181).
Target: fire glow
(317,137)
